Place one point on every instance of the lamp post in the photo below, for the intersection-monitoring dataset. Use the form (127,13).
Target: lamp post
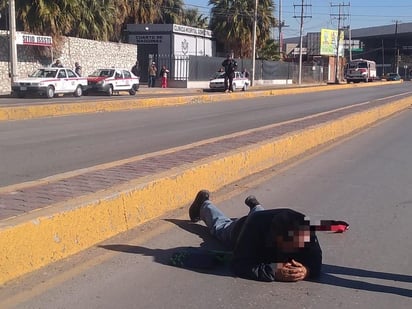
(280,28)
(12,40)
(300,45)
(252,80)
(396,47)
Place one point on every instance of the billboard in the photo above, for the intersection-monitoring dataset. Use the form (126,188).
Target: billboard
(328,42)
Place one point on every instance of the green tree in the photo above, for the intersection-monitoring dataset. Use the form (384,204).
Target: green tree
(122,10)
(269,50)
(232,24)
(48,17)
(87,19)
(143,12)
(94,19)
(171,12)
(192,18)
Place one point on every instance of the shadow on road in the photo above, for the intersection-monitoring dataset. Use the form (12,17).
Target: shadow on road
(331,274)
(199,263)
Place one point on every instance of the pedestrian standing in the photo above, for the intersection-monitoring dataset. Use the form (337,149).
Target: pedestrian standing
(152,75)
(245,73)
(230,65)
(77,69)
(135,69)
(164,72)
(57,64)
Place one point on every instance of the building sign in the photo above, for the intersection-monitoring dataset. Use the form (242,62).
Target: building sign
(31,39)
(296,51)
(329,42)
(192,30)
(356,45)
(149,39)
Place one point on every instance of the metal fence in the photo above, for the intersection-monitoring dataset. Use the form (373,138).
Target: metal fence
(202,68)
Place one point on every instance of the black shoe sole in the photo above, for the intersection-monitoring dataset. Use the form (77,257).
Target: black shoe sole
(194,210)
(251,201)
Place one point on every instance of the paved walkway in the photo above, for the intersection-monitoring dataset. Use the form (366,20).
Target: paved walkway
(17,202)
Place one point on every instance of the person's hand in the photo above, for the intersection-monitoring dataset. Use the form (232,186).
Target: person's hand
(291,271)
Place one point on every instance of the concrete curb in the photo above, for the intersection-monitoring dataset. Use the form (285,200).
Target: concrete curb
(65,109)
(42,237)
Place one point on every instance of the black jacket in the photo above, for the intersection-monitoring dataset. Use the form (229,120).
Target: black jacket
(230,66)
(255,254)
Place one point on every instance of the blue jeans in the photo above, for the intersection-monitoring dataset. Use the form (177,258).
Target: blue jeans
(152,80)
(219,225)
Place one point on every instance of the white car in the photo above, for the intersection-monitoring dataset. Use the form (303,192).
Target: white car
(239,82)
(112,80)
(50,82)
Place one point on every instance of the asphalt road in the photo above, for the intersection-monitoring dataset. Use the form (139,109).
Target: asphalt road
(33,149)
(364,180)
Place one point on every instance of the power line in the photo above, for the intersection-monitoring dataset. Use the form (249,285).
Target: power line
(341,17)
(303,9)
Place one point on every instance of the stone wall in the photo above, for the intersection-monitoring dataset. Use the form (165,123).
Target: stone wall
(90,54)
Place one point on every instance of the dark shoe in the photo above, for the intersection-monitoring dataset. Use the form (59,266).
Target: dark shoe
(194,210)
(251,201)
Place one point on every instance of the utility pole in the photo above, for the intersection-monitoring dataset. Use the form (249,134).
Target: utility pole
(281,25)
(12,40)
(396,47)
(280,28)
(341,17)
(252,80)
(383,59)
(302,16)
(350,42)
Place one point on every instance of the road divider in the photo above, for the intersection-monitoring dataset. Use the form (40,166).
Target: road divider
(44,236)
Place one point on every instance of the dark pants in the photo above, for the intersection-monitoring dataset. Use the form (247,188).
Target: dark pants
(222,227)
(152,80)
(229,82)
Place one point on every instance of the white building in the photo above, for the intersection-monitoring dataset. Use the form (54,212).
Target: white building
(169,41)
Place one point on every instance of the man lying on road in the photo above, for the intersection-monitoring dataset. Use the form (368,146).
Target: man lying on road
(268,245)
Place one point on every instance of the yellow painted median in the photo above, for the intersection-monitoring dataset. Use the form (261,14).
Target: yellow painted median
(39,238)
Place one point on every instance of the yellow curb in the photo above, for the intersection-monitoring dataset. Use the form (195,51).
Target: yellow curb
(64,109)
(42,237)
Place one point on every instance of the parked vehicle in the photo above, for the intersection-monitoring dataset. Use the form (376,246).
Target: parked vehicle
(112,80)
(360,70)
(239,82)
(50,82)
(393,76)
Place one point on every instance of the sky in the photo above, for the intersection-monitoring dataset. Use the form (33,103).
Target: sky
(323,13)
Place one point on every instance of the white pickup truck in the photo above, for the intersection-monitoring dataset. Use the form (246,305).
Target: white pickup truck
(50,82)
